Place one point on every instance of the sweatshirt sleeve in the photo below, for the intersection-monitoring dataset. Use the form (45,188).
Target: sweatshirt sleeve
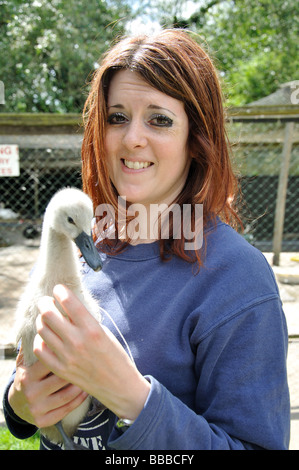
(242,397)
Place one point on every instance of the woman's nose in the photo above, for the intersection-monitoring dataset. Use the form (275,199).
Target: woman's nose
(135,135)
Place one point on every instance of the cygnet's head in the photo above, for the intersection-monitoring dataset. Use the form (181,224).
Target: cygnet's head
(70,213)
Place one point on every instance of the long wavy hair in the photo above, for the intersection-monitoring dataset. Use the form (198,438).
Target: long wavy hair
(175,64)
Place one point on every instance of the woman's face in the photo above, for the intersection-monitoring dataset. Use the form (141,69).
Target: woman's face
(146,141)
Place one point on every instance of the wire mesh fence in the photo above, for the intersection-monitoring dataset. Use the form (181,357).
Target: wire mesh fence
(259,159)
(50,162)
(43,172)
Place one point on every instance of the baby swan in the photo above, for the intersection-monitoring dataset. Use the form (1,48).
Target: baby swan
(67,219)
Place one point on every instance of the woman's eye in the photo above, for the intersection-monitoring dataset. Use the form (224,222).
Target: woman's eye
(160,120)
(116,118)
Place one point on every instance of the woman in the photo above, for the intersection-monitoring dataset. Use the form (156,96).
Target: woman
(204,325)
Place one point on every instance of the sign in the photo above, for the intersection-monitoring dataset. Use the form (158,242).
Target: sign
(9,160)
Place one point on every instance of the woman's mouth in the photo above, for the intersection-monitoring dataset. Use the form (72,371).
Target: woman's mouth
(135,165)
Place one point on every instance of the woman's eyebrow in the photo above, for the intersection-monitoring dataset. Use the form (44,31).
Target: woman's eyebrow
(160,108)
(150,106)
(119,106)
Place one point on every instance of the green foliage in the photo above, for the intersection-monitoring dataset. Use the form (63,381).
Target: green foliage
(254,43)
(9,442)
(49,49)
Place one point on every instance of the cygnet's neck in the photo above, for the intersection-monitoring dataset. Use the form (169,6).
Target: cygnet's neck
(58,259)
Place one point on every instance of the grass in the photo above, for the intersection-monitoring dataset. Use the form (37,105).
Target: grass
(9,442)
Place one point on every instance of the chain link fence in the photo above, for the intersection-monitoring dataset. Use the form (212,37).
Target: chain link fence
(49,162)
(259,158)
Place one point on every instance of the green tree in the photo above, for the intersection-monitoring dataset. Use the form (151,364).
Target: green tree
(50,47)
(254,43)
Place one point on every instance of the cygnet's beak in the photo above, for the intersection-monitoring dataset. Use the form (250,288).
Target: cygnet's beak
(85,244)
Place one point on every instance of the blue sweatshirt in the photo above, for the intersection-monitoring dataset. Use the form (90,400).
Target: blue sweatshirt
(213,344)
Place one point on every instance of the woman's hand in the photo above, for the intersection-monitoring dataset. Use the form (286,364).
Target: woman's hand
(41,398)
(75,347)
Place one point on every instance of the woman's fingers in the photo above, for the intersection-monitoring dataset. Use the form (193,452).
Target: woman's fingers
(53,332)
(66,398)
(52,317)
(41,398)
(73,307)
(62,342)
(55,414)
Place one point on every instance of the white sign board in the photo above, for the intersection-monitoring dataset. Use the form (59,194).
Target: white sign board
(9,160)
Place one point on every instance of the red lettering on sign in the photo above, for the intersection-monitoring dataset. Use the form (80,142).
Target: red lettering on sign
(6,171)
(5,150)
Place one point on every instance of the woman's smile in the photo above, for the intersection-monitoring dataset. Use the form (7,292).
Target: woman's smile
(135,165)
(146,141)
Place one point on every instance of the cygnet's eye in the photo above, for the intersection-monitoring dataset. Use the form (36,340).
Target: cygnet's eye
(71,221)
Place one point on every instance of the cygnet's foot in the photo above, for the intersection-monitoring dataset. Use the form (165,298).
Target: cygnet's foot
(68,443)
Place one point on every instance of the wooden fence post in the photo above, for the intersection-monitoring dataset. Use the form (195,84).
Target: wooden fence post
(282,192)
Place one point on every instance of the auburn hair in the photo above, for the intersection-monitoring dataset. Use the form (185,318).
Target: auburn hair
(174,63)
